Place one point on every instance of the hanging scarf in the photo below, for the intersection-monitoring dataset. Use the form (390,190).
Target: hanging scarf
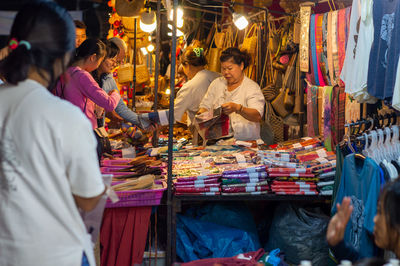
(329,51)
(319,46)
(312,111)
(335,54)
(321,108)
(313,45)
(341,44)
(348,15)
(324,59)
(327,117)
(305,12)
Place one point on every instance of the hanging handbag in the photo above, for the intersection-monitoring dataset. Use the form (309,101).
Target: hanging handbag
(251,40)
(284,102)
(213,55)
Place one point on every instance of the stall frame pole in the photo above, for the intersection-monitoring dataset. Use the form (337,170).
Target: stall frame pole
(170,237)
(134,68)
(157,68)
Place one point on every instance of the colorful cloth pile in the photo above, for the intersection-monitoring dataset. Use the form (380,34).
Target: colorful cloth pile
(245,179)
(297,167)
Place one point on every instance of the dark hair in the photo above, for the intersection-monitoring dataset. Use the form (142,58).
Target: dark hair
(49,30)
(389,203)
(90,47)
(79,24)
(370,262)
(112,49)
(190,57)
(236,55)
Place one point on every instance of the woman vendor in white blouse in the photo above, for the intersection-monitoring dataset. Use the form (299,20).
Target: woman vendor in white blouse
(192,92)
(240,97)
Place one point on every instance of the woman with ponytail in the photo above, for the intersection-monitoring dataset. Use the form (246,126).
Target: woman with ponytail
(48,160)
(79,87)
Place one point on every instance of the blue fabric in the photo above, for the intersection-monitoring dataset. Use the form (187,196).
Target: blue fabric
(108,84)
(361,182)
(85,261)
(380,61)
(343,251)
(313,46)
(393,55)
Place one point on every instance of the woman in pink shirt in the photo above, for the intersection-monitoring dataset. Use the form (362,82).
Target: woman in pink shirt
(78,86)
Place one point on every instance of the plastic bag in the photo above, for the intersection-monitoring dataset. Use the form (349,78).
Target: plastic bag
(215,231)
(212,124)
(300,234)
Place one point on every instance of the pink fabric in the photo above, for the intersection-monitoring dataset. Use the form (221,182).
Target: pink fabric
(249,258)
(80,88)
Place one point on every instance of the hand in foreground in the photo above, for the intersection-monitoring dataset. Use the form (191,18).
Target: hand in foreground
(338,223)
(148,125)
(230,107)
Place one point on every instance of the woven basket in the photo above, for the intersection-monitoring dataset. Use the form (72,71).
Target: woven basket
(125,73)
(250,41)
(214,64)
(275,122)
(142,74)
(270,92)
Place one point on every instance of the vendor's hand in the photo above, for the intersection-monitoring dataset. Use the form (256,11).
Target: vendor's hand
(230,107)
(338,223)
(147,124)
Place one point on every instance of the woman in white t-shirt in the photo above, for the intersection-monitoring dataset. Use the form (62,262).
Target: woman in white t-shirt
(48,160)
(192,92)
(240,97)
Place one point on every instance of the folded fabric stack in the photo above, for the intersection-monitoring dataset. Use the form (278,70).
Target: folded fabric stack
(245,179)
(198,185)
(295,168)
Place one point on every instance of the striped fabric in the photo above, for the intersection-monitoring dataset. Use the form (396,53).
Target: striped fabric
(341,41)
(329,51)
(319,47)
(327,118)
(313,46)
(335,55)
(324,57)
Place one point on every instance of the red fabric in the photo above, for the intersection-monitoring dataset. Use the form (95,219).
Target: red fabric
(123,235)
(249,258)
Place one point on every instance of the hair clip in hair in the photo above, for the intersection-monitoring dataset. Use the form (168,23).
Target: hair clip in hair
(198,51)
(13,44)
(26,43)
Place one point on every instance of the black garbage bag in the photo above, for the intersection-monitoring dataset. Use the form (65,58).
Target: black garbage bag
(300,234)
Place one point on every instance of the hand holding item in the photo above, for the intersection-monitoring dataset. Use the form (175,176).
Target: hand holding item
(231,107)
(338,223)
(98,111)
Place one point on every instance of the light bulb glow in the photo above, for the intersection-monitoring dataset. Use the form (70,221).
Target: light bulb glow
(179,17)
(144,51)
(150,48)
(148,21)
(240,21)
(168,91)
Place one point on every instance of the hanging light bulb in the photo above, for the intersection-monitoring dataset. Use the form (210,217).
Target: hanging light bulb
(179,17)
(150,48)
(144,51)
(179,33)
(148,21)
(240,21)
(168,91)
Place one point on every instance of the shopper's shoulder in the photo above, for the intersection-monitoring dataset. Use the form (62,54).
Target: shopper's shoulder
(251,84)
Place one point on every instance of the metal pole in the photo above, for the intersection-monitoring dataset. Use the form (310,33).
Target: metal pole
(134,68)
(157,68)
(170,139)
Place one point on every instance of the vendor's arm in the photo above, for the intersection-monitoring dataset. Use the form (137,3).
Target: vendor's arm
(211,96)
(336,229)
(248,113)
(184,99)
(91,89)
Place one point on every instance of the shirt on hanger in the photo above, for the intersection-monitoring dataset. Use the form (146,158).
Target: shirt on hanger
(360,181)
(384,12)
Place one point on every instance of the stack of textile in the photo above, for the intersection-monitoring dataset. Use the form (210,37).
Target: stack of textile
(296,167)
(198,185)
(245,179)
(196,176)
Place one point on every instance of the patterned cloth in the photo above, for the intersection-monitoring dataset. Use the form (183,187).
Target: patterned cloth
(305,12)
(341,37)
(312,111)
(335,51)
(329,51)
(321,108)
(313,46)
(319,48)
(324,55)
(327,118)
